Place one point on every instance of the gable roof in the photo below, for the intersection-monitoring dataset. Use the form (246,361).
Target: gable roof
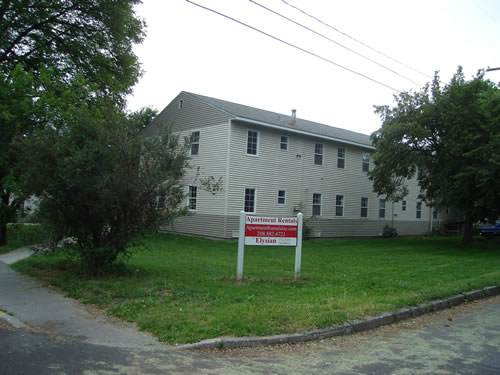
(262,117)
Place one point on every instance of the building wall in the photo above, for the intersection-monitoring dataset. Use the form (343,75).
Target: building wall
(223,154)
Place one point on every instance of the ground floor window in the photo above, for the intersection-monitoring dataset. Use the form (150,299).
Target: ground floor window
(281,196)
(339,205)
(364,207)
(316,206)
(419,210)
(249,200)
(381,208)
(192,197)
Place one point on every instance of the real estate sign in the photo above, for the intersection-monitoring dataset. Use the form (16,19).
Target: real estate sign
(270,231)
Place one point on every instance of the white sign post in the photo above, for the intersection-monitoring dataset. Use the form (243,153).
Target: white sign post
(269,231)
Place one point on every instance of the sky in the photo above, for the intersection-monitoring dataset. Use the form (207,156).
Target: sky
(188,48)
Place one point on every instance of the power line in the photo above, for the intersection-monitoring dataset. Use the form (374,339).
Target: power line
(356,40)
(292,45)
(334,41)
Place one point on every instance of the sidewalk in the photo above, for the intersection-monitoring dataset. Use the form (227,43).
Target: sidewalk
(25,303)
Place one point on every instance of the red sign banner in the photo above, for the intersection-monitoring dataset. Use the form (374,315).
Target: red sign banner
(269,231)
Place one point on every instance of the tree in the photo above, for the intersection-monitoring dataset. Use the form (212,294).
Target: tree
(101,183)
(84,42)
(452,134)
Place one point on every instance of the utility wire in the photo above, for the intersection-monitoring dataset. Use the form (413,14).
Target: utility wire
(356,40)
(292,45)
(334,42)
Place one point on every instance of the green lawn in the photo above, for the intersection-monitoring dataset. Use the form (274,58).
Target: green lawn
(20,235)
(184,290)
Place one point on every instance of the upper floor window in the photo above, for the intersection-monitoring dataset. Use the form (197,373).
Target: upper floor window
(192,197)
(339,205)
(281,196)
(252,142)
(284,143)
(381,208)
(249,200)
(318,153)
(403,205)
(181,104)
(365,162)
(195,143)
(341,158)
(364,207)
(419,210)
(316,206)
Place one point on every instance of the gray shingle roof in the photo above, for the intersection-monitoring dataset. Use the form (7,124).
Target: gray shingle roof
(244,112)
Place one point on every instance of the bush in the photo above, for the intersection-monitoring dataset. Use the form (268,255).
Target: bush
(389,231)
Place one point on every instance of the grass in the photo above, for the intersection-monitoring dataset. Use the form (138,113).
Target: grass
(20,235)
(184,289)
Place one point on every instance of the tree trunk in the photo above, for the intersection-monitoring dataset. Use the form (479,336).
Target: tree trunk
(467,238)
(3,234)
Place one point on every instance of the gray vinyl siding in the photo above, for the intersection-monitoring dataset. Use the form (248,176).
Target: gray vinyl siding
(194,114)
(198,225)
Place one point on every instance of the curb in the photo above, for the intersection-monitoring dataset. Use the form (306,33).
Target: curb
(12,321)
(343,329)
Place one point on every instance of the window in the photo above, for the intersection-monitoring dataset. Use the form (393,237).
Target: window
(419,210)
(403,205)
(365,162)
(364,207)
(435,214)
(341,158)
(250,200)
(284,143)
(252,139)
(339,205)
(193,192)
(316,208)
(195,143)
(281,196)
(181,104)
(318,154)
(381,208)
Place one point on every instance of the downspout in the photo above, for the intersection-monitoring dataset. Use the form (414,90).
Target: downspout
(228,159)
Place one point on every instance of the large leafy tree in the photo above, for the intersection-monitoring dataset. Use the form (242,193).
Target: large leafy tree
(451,135)
(52,50)
(101,183)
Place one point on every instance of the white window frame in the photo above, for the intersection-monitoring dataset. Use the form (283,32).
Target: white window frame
(365,161)
(364,207)
(281,197)
(403,206)
(320,204)
(381,208)
(192,198)
(319,154)
(257,142)
(341,158)
(254,200)
(341,206)
(284,143)
(195,143)
(180,105)
(418,213)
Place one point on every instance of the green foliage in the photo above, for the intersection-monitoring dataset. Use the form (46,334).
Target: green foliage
(452,134)
(88,46)
(184,289)
(389,232)
(21,235)
(101,183)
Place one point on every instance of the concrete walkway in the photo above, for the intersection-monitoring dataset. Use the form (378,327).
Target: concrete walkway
(43,309)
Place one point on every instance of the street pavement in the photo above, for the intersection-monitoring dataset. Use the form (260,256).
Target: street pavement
(56,335)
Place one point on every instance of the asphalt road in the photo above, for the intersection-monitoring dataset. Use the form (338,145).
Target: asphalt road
(461,340)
